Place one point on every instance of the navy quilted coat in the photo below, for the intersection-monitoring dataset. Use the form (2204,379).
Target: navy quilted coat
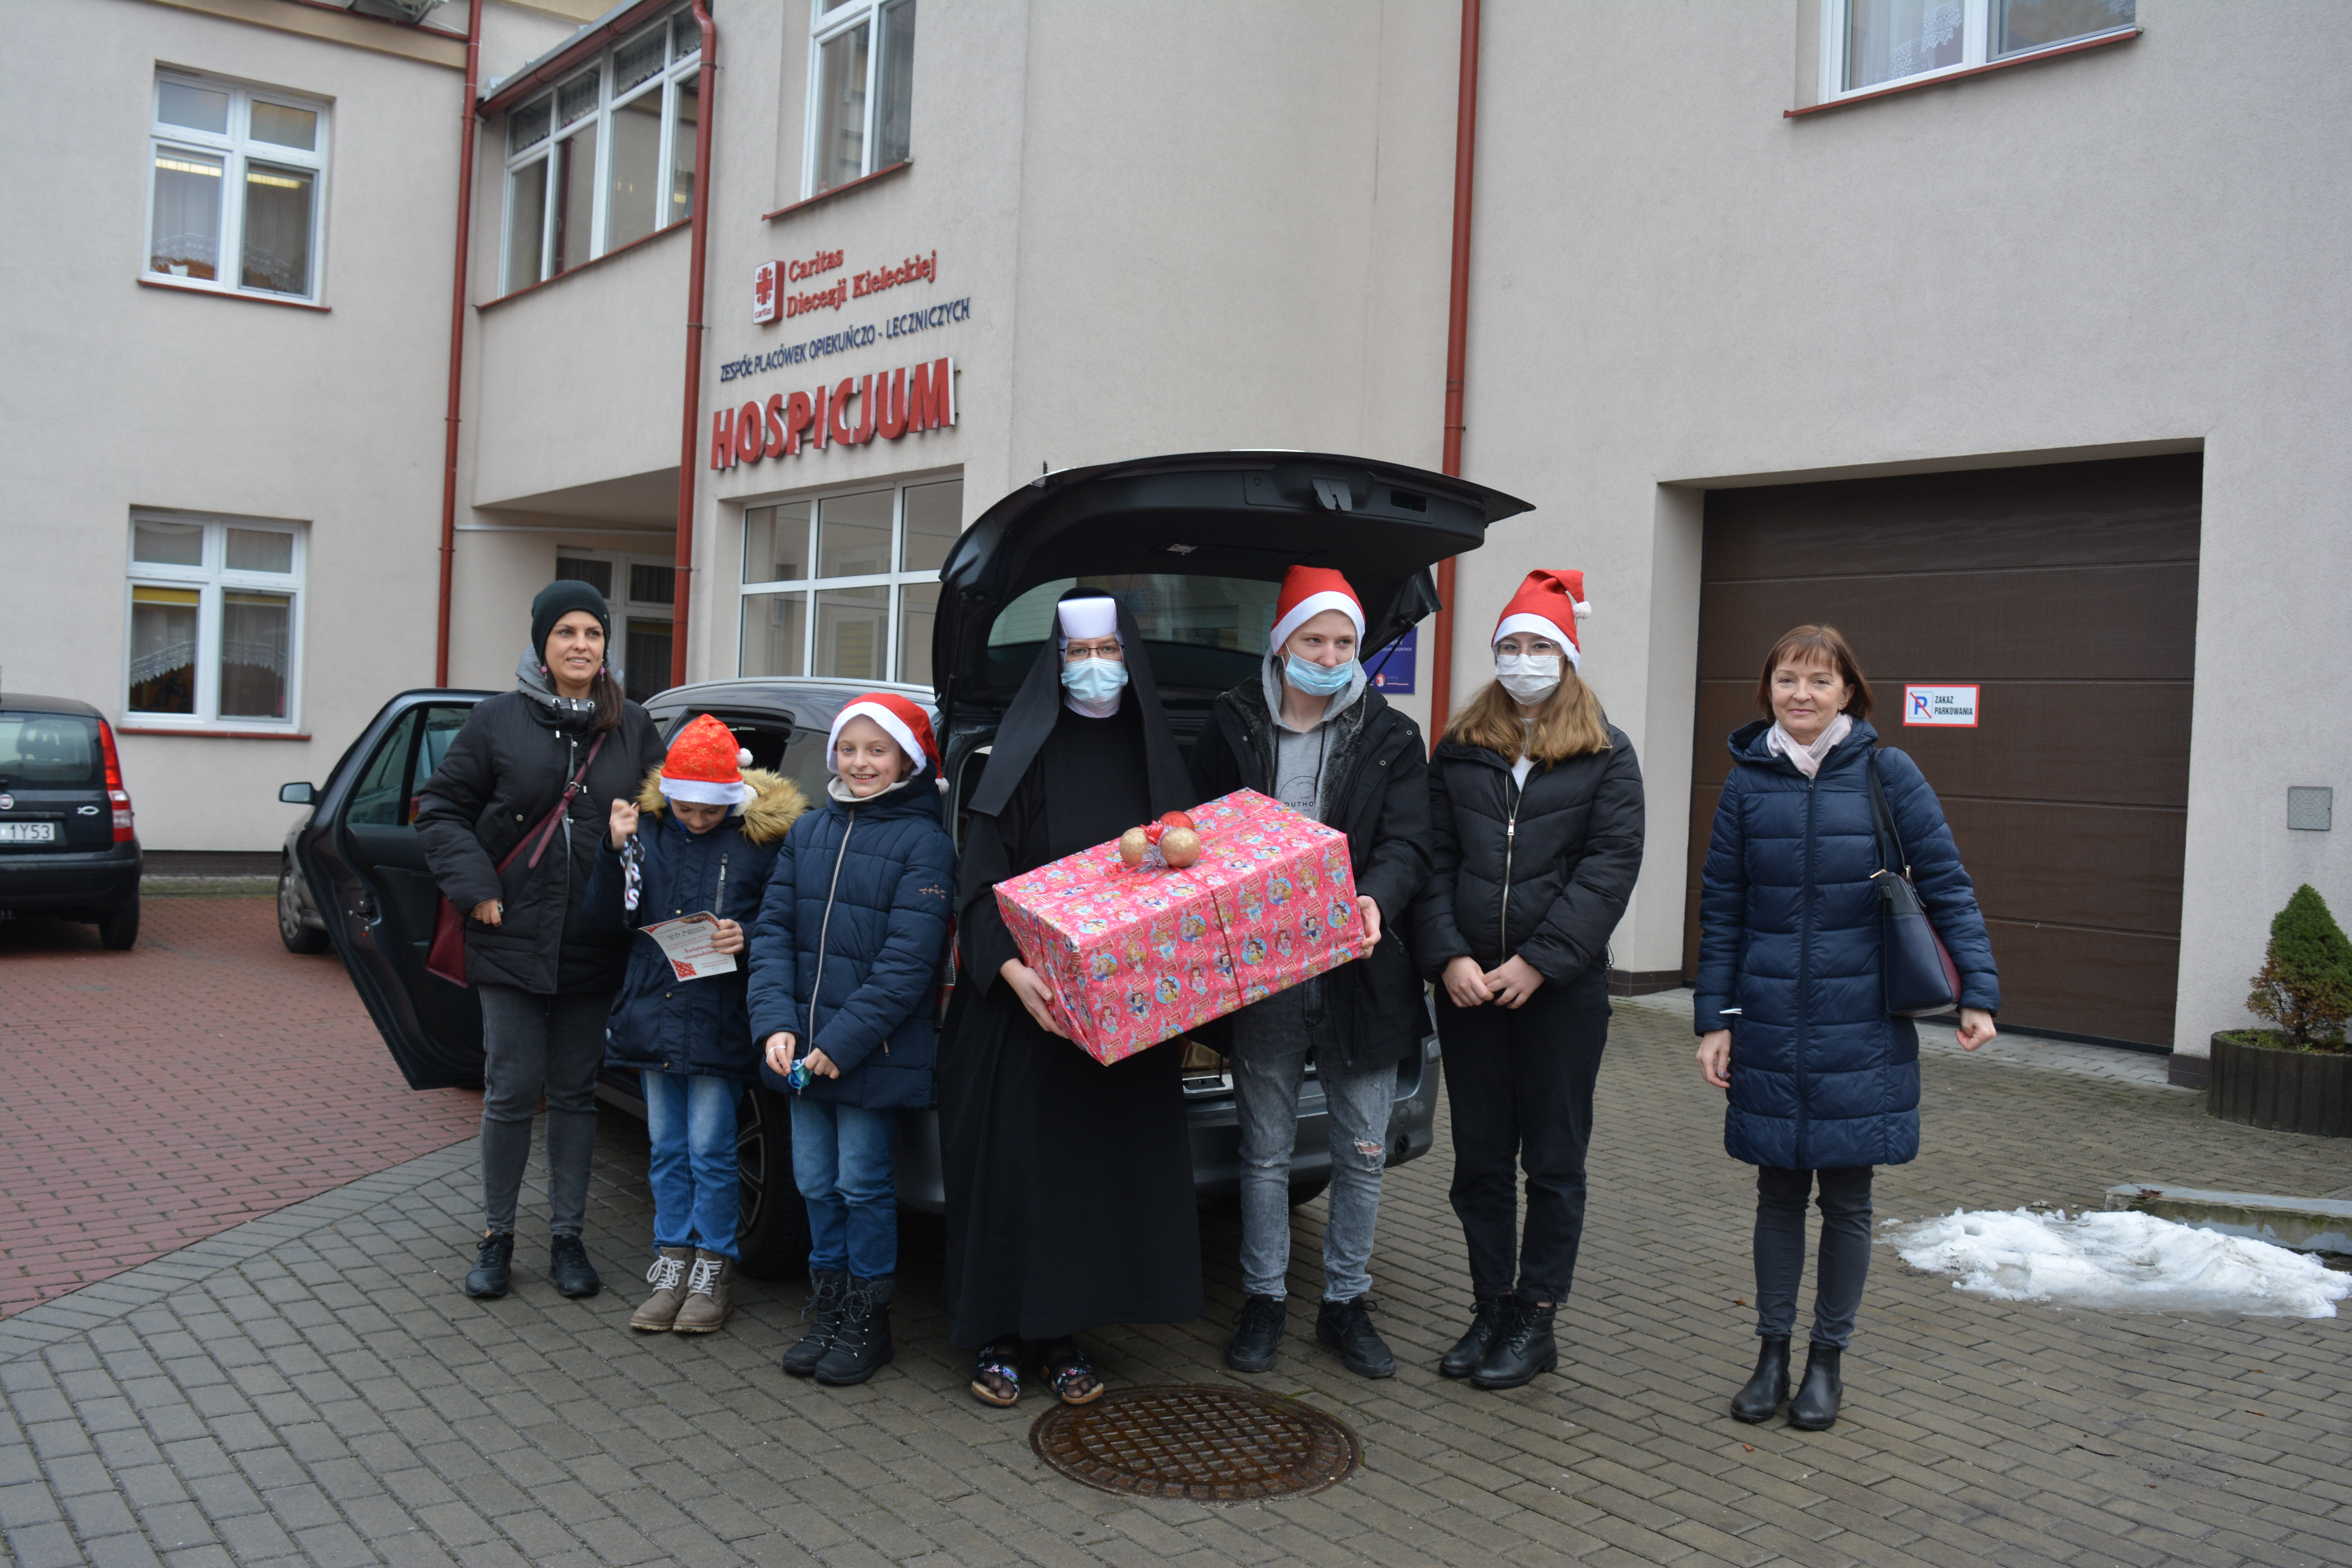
(1822,1076)
(850,940)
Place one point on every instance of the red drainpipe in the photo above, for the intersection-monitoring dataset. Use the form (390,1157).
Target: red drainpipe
(458,339)
(1457,333)
(705,112)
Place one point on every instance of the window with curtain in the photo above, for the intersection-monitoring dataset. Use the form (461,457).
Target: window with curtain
(861,89)
(845,586)
(1871,44)
(214,621)
(234,186)
(606,158)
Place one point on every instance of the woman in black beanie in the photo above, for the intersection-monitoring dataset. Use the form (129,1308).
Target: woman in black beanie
(547,759)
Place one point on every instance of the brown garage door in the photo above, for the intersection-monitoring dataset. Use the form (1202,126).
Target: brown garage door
(2068,593)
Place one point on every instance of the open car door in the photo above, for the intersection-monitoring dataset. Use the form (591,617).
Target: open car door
(367,875)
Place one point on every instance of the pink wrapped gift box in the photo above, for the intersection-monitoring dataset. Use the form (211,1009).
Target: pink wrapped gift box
(1138,956)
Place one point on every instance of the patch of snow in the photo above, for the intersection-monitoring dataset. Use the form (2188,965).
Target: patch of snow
(2123,1260)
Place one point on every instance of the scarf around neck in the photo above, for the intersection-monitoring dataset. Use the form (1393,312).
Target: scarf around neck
(1809,758)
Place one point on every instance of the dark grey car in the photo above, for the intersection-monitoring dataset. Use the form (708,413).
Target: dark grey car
(1196,545)
(68,846)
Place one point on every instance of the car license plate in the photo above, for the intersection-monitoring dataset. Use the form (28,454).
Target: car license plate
(29,832)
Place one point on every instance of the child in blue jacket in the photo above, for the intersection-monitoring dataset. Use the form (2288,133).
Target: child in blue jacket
(700,837)
(844,965)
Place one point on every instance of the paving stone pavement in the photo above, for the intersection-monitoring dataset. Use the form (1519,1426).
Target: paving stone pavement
(312,1387)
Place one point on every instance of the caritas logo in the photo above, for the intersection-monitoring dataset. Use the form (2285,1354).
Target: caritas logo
(888,404)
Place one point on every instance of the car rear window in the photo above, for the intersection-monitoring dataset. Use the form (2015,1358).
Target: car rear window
(51,750)
(1232,612)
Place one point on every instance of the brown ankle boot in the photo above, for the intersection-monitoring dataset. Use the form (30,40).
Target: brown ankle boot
(668,1276)
(709,1294)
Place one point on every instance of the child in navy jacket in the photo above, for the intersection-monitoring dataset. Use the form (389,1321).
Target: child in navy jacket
(844,967)
(700,837)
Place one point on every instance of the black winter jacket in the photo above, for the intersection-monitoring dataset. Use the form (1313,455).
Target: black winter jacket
(1542,871)
(701,1027)
(1376,792)
(504,772)
(852,936)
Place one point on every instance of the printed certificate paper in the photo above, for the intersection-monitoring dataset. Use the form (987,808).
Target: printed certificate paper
(686,942)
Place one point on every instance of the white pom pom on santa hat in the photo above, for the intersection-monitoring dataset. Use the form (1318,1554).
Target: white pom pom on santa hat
(742,756)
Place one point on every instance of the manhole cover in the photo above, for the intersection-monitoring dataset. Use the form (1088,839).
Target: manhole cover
(1200,1442)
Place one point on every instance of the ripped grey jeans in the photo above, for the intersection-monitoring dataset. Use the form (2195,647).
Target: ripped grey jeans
(1269,1058)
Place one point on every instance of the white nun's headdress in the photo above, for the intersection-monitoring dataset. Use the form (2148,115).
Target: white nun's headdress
(1087,619)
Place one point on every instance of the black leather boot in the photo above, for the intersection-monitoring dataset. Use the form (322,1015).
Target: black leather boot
(1523,1351)
(493,1271)
(826,1288)
(1347,1327)
(1257,1333)
(1815,1408)
(1493,1312)
(1760,1400)
(862,1343)
(568,1265)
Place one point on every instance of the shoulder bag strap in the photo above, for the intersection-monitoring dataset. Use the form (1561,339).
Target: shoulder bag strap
(1890,841)
(539,835)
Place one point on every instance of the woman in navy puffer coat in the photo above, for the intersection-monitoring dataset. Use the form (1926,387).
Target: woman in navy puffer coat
(1792,1011)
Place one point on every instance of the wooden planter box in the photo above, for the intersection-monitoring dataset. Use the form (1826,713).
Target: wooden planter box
(2286,1090)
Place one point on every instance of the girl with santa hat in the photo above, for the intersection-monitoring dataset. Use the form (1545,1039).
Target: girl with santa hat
(1311,733)
(1536,801)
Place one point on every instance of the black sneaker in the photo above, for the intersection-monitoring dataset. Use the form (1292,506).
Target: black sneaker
(1347,1327)
(826,1288)
(568,1265)
(862,1343)
(1257,1333)
(493,1271)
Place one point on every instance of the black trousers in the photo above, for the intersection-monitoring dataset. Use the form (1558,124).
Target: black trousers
(1519,1085)
(1780,1250)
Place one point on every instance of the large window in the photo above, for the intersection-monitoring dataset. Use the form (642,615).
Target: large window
(232,187)
(861,89)
(847,586)
(1871,44)
(606,158)
(215,620)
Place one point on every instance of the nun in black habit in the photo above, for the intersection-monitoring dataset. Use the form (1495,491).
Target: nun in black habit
(1069,1183)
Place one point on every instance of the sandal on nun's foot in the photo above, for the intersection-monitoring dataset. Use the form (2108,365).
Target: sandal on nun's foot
(996,1379)
(1073,1377)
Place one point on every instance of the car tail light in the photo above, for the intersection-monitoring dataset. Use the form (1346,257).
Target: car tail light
(115,793)
(947,977)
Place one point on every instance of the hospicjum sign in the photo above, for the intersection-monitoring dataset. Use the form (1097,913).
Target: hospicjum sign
(889,404)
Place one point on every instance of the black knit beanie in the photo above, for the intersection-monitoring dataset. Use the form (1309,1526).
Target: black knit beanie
(559,599)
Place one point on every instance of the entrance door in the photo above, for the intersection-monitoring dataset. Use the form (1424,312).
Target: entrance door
(2067,595)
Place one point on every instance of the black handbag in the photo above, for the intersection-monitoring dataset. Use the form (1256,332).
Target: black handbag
(1920,979)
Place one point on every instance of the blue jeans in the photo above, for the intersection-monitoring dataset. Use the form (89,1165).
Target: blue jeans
(842,1164)
(697,1193)
(1269,1063)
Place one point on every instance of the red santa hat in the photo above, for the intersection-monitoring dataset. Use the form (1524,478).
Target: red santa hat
(705,765)
(1549,605)
(1307,592)
(903,721)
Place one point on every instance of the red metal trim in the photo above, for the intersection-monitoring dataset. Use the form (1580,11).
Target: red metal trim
(575,271)
(210,734)
(178,288)
(511,93)
(1457,348)
(469,121)
(706,111)
(2106,39)
(885,172)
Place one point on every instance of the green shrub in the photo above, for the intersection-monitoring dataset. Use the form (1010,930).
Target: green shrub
(2306,984)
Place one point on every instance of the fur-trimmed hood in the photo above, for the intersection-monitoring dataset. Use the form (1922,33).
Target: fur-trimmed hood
(775,805)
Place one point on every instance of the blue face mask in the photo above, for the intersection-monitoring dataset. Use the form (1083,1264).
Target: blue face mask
(1315,679)
(1094,680)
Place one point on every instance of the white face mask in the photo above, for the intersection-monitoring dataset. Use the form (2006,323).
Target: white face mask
(1529,678)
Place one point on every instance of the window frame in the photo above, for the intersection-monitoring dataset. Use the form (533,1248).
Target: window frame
(211,580)
(895,580)
(1977,17)
(682,59)
(235,149)
(829,19)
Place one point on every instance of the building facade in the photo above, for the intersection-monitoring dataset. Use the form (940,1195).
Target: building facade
(2008,334)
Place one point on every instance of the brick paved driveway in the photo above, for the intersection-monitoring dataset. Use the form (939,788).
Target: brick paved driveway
(311,1387)
(149,1099)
